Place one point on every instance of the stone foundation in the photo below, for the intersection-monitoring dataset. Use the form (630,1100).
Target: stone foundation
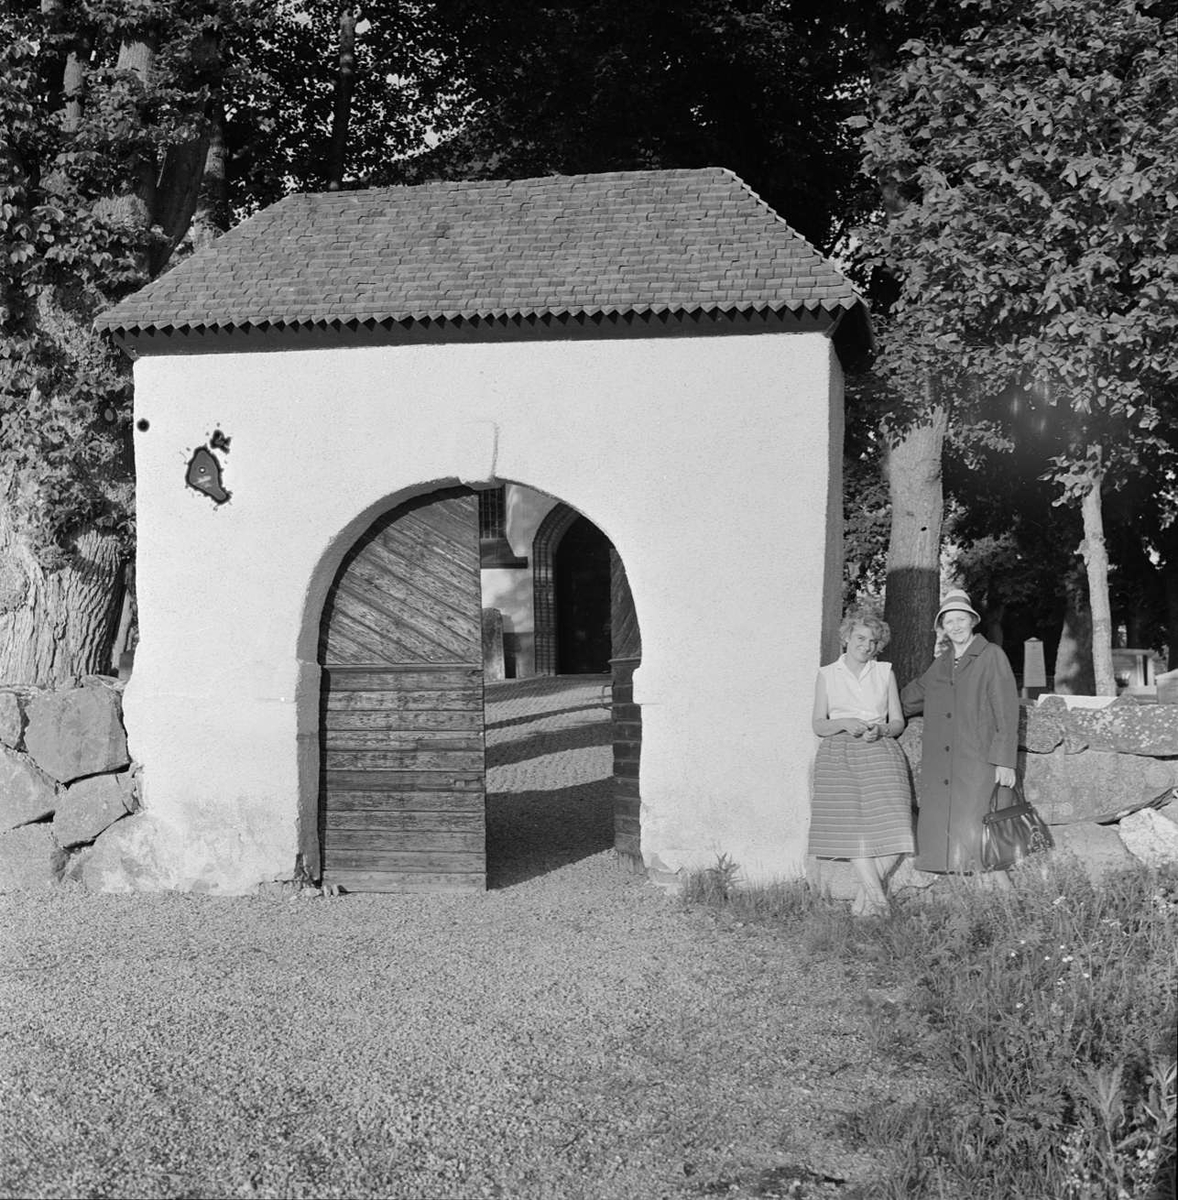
(66,783)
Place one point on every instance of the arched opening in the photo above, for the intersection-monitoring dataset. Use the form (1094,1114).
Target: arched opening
(581,584)
(430,775)
(552,529)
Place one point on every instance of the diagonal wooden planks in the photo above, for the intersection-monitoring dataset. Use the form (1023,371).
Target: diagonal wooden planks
(402,743)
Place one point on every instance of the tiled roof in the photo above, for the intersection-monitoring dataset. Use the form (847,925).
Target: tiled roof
(681,241)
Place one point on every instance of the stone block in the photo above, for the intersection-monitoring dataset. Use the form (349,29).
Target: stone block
(1098,848)
(26,794)
(1066,788)
(30,859)
(1128,727)
(1150,838)
(124,858)
(129,782)
(12,721)
(88,807)
(1041,729)
(75,861)
(76,732)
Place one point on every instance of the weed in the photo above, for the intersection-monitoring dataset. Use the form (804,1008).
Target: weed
(1046,1013)
(712,885)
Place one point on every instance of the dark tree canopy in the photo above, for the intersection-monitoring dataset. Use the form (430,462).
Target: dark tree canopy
(760,86)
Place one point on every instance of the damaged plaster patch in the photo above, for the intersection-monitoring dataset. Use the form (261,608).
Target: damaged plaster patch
(204,468)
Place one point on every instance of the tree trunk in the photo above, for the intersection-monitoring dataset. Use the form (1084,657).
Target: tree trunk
(992,623)
(211,218)
(913,469)
(139,56)
(72,88)
(1072,673)
(192,193)
(343,98)
(58,625)
(1095,555)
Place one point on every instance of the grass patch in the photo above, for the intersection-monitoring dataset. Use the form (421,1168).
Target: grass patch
(1046,1015)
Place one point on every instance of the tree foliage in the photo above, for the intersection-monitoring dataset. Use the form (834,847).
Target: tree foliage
(111,110)
(763,87)
(106,108)
(1031,165)
(406,93)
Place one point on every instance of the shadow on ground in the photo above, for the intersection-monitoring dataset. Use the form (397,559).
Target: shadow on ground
(542,685)
(532,718)
(552,741)
(533,833)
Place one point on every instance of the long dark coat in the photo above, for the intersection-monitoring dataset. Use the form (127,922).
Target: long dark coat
(970,727)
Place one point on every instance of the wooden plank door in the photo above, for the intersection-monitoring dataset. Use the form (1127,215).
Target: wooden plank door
(403,789)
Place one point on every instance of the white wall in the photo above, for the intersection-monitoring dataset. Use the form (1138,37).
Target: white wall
(705,461)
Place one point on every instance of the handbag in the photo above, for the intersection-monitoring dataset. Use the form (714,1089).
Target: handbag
(1009,834)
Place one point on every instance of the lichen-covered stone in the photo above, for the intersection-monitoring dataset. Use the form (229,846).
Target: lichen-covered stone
(30,859)
(11,720)
(1073,739)
(1150,838)
(76,732)
(26,794)
(88,807)
(1066,788)
(1040,729)
(1128,727)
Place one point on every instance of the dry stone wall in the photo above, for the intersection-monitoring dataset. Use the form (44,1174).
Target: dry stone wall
(1104,779)
(66,781)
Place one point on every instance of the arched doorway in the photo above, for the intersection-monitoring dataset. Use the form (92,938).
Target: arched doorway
(571,595)
(403,724)
(581,572)
(402,774)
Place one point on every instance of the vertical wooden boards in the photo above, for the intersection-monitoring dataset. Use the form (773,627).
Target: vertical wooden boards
(403,788)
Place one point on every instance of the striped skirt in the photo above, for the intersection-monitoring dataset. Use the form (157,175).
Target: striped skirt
(862,804)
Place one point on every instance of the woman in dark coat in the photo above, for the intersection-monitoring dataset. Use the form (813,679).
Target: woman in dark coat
(970,742)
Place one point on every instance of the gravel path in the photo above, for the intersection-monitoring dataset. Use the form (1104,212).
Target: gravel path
(574,1032)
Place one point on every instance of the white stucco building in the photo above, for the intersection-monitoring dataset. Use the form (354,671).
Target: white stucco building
(657,351)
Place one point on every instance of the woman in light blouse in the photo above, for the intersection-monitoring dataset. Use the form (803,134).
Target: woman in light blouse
(862,800)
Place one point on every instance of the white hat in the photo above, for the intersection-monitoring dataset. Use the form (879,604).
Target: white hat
(955,601)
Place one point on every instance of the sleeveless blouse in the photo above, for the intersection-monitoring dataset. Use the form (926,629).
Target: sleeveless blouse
(865,697)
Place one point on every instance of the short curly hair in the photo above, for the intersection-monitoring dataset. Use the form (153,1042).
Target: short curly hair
(869,619)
